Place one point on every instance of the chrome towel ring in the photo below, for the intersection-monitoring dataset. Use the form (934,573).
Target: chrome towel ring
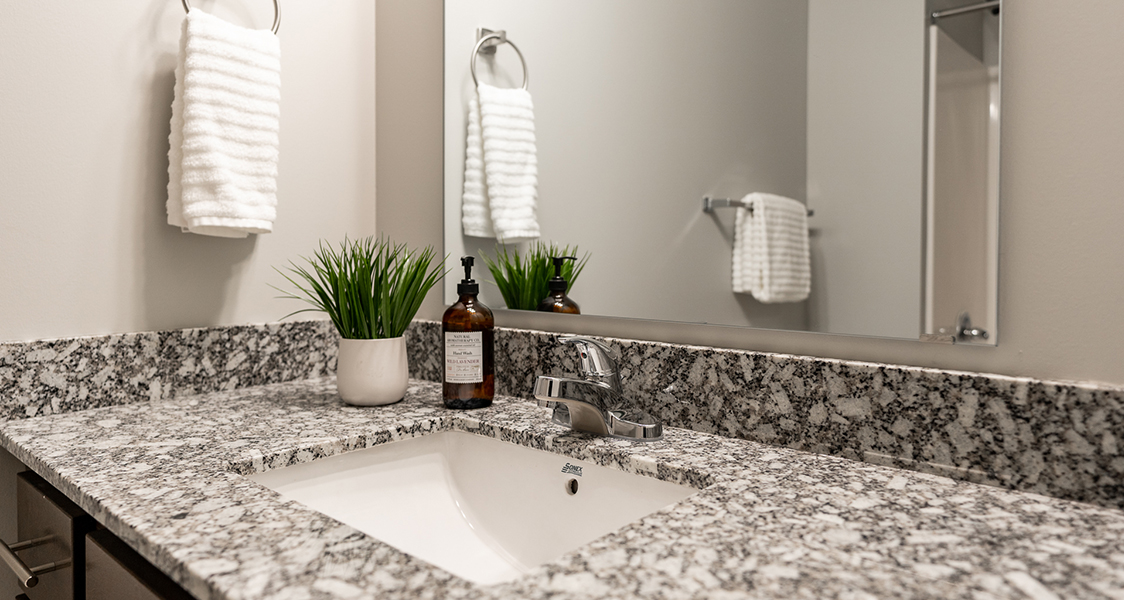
(488,42)
(276,14)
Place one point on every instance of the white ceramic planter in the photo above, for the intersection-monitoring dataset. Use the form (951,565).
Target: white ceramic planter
(372,372)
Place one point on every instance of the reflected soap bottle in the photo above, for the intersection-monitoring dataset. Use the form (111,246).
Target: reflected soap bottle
(558,301)
(469,347)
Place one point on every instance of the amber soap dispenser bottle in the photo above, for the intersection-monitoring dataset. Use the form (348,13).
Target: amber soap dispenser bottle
(469,344)
(558,301)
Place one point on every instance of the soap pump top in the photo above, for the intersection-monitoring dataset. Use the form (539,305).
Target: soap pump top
(468,285)
(558,301)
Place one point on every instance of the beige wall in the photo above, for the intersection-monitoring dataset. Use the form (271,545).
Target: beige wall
(86,103)
(1061,248)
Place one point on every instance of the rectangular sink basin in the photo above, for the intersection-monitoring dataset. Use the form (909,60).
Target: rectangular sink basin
(482,509)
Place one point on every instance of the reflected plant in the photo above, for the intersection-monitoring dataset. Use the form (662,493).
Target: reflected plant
(523,278)
(370,289)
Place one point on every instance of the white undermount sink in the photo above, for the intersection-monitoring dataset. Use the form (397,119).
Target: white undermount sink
(482,509)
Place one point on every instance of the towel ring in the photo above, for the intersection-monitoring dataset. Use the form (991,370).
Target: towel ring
(500,38)
(276,14)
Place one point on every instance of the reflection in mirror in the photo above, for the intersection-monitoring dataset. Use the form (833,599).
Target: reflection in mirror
(962,170)
(875,115)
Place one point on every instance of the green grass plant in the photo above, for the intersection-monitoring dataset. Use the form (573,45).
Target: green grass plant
(523,278)
(370,288)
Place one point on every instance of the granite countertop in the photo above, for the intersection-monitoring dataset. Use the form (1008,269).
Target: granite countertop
(768,522)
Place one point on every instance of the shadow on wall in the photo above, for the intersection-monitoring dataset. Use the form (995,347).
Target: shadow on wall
(791,316)
(817,299)
(187,280)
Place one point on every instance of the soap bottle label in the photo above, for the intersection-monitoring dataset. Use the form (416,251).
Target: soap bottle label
(464,357)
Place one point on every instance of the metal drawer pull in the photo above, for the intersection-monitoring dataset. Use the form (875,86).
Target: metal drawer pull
(29,576)
(51,566)
(23,573)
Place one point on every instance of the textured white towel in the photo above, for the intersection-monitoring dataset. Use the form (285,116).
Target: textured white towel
(223,147)
(501,166)
(771,258)
(475,216)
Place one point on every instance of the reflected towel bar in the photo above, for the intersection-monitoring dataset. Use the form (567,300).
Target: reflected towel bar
(952,12)
(709,204)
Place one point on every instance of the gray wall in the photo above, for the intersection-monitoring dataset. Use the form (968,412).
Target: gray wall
(86,104)
(633,129)
(1061,281)
(866,114)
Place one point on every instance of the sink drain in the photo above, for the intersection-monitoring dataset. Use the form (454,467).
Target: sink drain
(572,487)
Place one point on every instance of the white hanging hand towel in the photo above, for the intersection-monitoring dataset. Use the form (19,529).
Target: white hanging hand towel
(476,217)
(771,256)
(223,146)
(508,157)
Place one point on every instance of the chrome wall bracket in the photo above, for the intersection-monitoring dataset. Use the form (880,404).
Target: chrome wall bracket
(489,46)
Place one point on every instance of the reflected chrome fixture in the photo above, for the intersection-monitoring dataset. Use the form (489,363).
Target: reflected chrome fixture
(595,403)
(276,14)
(486,42)
(963,332)
(709,204)
(952,12)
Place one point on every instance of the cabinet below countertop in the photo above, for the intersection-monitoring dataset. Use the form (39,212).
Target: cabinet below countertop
(67,555)
(9,468)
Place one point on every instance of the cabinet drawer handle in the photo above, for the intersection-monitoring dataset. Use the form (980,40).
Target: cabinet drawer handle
(28,577)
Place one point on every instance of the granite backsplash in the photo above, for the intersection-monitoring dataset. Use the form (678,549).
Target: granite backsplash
(1053,438)
(64,375)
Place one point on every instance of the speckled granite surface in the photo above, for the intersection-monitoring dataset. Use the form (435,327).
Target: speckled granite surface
(1059,439)
(64,375)
(769,522)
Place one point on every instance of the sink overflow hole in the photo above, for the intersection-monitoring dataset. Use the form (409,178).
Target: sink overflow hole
(572,487)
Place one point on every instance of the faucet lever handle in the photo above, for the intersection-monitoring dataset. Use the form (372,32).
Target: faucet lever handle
(597,361)
(596,356)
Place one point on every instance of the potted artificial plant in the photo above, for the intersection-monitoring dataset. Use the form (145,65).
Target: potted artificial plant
(371,289)
(523,279)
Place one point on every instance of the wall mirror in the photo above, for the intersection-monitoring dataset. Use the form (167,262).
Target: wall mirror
(881,116)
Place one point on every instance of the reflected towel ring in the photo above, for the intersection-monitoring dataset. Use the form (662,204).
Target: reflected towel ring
(500,38)
(276,14)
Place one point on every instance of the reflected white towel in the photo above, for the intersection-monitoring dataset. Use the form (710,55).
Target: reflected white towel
(501,166)
(771,258)
(223,147)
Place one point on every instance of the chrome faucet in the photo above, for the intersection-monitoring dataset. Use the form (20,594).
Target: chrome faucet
(595,403)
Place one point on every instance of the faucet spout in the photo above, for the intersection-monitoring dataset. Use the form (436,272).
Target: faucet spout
(596,402)
(595,407)
(587,409)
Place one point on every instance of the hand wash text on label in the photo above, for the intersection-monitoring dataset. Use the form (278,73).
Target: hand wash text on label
(464,357)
